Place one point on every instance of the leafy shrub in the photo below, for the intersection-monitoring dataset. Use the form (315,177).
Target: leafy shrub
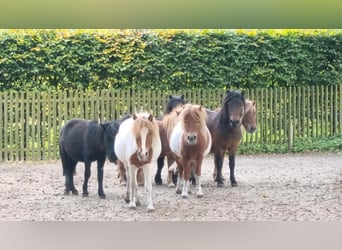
(168,59)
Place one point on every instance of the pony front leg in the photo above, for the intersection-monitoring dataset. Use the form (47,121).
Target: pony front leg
(100,164)
(148,186)
(87,173)
(186,176)
(199,192)
(132,187)
(218,158)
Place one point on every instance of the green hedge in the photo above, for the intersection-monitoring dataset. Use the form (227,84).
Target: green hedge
(168,59)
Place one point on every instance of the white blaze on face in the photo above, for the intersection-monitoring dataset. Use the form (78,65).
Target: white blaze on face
(144,151)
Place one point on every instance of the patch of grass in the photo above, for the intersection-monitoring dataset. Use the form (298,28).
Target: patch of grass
(332,143)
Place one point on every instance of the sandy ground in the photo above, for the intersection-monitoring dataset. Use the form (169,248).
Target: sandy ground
(291,187)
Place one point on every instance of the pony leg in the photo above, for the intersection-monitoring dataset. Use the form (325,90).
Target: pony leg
(218,165)
(186,186)
(232,168)
(180,181)
(148,187)
(69,167)
(170,173)
(197,177)
(158,179)
(199,192)
(132,187)
(69,180)
(122,174)
(86,178)
(100,164)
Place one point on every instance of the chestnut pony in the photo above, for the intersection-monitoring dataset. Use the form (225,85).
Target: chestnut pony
(225,129)
(173,102)
(190,141)
(138,146)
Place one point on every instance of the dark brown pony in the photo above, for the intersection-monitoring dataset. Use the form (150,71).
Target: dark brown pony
(249,121)
(190,142)
(225,130)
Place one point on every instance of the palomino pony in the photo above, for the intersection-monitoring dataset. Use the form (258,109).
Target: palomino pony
(190,141)
(225,130)
(86,141)
(174,102)
(138,146)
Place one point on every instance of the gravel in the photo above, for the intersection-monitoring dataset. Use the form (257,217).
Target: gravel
(286,187)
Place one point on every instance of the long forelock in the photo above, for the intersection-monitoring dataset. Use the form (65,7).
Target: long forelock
(143,121)
(196,114)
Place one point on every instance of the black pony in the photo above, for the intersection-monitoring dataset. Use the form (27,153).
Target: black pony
(86,141)
(172,102)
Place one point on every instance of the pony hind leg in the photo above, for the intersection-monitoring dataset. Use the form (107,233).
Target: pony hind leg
(69,167)
(158,179)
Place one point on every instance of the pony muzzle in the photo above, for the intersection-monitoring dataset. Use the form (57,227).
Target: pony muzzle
(235,123)
(191,138)
(142,155)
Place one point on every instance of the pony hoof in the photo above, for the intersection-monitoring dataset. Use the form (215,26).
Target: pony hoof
(178,191)
(150,209)
(158,181)
(132,205)
(171,185)
(138,203)
(219,185)
(66,192)
(74,192)
(199,195)
(185,195)
(126,199)
(102,196)
(234,184)
(85,195)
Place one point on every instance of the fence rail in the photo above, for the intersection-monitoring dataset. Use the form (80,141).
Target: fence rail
(30,121)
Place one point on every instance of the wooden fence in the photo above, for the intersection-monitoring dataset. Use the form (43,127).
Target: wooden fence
(30,121)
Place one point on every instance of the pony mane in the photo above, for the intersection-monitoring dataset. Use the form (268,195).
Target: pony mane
(197,112)
(169,120)
(249,105)
(143,120)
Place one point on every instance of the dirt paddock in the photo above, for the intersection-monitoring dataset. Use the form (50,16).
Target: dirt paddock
(291,187)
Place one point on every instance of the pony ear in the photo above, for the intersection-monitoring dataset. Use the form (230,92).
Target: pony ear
(170,97)
(227,92)
(135,117)
(200,108)
(182,97)
(150,117)
(242,93)
(253,102)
